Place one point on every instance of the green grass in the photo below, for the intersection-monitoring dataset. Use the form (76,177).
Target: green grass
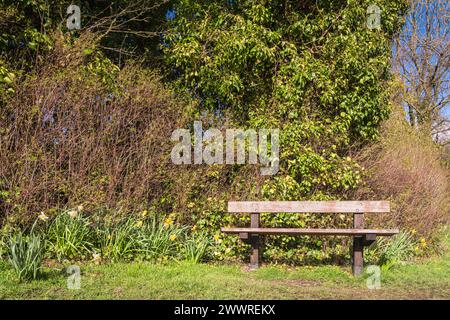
(429,279)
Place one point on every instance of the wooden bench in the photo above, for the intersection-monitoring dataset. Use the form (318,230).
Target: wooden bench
(361,237)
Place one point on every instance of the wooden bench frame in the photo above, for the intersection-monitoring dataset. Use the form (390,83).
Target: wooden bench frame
(361,237)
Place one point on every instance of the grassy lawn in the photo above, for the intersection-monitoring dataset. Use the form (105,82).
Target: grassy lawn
(428,279)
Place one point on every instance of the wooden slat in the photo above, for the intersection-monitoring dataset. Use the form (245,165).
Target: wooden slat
(368,239)
(295,231)
(308,206)
(243,235)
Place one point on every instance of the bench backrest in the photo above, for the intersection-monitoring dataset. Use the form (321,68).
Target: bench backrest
(309,206)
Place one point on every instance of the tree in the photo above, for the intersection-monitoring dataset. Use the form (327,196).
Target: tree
(422,57)
(311,68)
(129,28)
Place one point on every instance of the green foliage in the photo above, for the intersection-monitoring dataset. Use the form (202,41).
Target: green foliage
(72,236)
(6,80)
(396,250)
(26,253)
(393,251)
(26,27)
(315,71)
(103,68)
(196,248)
(24,35)
(137,280)
(69,236)
(4,245)
(152,239)
(118,241)
(27,22)
(160,240)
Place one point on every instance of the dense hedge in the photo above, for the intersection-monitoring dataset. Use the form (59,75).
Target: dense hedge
(313,69)
(79,130)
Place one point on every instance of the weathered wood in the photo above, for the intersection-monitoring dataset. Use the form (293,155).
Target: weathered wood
(358,245)
(308,206)
(254,241)
(330,232)
(369,239)
(243,235)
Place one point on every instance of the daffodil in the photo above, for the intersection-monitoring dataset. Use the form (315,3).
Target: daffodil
(172,237)
(42,216)
(139,224)
(423,242)
(72,213)
(168,221)
(217,238)
(144,213)
(97,257)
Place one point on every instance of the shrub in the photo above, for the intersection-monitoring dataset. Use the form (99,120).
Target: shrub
(26,253)
(3,244)
(89,133)
(69,236)
(406,168)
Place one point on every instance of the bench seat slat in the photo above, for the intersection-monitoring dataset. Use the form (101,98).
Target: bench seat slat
(295,231)
(308,206)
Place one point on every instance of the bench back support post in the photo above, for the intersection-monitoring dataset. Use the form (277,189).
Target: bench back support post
(254,241)
(358,245)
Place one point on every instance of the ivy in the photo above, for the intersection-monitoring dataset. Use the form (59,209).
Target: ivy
(310,68)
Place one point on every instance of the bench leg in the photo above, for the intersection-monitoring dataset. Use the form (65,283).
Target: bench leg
(254,256)
(358,245)
(358,255)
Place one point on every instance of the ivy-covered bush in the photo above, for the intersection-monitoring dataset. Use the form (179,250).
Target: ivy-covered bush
(313,69)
